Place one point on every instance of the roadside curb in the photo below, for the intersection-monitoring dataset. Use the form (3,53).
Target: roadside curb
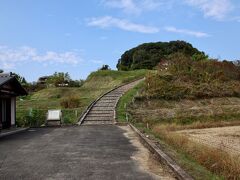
(13,132)
(163,157)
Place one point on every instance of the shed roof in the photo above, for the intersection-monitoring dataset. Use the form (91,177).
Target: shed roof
(3,80)
(10,83)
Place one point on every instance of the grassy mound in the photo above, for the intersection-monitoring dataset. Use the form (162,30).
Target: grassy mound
(188,94)
(72,100)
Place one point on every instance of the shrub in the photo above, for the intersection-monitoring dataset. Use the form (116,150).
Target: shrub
(70,102)
(187,78)
(70,116)
(30,118)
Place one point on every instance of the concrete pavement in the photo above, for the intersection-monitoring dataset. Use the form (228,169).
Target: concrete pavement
(86,152)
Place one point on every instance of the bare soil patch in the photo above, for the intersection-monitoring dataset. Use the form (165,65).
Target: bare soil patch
(224,138)
(145,159)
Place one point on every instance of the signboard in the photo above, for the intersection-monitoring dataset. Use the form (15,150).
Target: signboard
(54,115)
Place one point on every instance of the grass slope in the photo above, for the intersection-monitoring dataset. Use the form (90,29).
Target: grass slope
(187,94)
(96,84)
(130,106)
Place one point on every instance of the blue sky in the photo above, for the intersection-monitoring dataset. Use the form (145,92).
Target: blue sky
(40,37)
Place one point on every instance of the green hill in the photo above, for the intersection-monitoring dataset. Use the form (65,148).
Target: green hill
(73,101)
(148,55)
(185,94)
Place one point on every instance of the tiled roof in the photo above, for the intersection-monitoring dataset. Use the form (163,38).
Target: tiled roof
(4,78)
(8,79)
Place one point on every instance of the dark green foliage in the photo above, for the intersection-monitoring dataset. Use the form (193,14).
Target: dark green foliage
(37,117)
(59,78)
(31,118)
(76,83)
(70,116)
(105,67)
(148,55)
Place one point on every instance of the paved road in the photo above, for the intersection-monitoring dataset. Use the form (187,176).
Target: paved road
(86,152)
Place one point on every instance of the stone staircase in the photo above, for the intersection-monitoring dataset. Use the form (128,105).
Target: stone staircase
(103,110)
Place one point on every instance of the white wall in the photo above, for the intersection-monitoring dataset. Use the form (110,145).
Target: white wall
(13,110)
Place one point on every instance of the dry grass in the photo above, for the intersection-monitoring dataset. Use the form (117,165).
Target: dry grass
(198,125)
(163,117)
(215,160)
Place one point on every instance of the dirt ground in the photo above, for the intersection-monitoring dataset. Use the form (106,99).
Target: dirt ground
(225,138)
(145,158)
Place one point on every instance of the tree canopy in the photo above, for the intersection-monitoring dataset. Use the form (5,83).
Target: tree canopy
(105,67)
(20,78)
(148,55)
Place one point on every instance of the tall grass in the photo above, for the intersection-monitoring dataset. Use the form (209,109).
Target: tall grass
(188,78)
(37,117)
(125,100)
(217,161)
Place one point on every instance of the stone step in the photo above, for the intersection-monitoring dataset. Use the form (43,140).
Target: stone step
(112,96)
(105,111)
(100,115)
(101,112)
(102,118)
(104,105)
(110,99)
(116,92)
(102,108)
(107,101)
(97,122)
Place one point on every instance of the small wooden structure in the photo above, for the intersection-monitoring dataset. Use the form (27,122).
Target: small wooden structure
(54,118)
(10,88)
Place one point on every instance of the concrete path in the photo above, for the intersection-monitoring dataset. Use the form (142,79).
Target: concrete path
(86,152)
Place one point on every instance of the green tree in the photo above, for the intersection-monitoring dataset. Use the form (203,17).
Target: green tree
(149,55)
(59,78)
(20,78)
(105,67)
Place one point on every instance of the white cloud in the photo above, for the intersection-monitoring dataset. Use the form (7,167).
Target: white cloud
(10,57)
(108,22)
(186,32)
(134,6)
(217,9)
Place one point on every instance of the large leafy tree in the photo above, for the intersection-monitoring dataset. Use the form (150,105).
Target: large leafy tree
(148,55)
(105,67)
(20,78)
(59,78)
